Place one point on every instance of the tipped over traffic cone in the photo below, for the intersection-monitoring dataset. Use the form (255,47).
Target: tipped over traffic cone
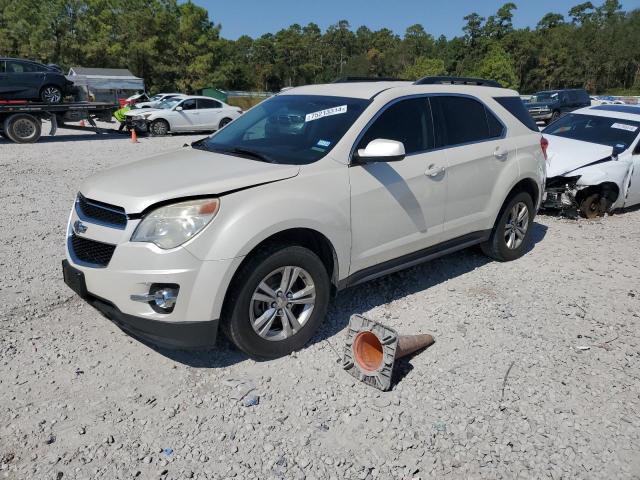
(134,136)
(372,349)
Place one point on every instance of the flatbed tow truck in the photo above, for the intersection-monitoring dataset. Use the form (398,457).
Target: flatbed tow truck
(21,121)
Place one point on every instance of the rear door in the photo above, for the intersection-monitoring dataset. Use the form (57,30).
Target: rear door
(209,113)
(477,153)
(24,78)
(397,208)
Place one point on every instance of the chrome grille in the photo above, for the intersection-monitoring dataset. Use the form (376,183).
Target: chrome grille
(90,251)
(102,213)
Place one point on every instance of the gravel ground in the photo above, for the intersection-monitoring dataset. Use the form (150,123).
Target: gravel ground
(83,400)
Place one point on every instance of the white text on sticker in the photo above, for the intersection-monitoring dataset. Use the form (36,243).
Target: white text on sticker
(623,126)
(325,113)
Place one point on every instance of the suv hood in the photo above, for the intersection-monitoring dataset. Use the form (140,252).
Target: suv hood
(177,174)
(566,154)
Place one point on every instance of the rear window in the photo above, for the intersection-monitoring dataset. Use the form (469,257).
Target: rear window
(515,107)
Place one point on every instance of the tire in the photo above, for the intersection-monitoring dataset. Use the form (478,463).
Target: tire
(249,304)
(51,94)
(224,122)
(554,116)
(159,128)
(593,206)
(504,231)
(22,128)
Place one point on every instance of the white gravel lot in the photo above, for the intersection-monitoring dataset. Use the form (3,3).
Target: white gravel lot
(80,399)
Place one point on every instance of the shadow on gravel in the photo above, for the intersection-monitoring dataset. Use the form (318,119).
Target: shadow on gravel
(357,300)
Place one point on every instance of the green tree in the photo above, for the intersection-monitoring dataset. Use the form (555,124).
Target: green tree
(497,65)
(424,67)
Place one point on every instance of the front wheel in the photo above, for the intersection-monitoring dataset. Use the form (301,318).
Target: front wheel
(224,122)
(276,302)
(51,94)
(595,205)
(512,231)
(159,128)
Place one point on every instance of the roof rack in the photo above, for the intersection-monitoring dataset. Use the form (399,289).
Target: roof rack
(457,81)
(366,79)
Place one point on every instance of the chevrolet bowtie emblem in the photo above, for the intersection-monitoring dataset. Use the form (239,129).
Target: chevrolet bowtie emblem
(79,227)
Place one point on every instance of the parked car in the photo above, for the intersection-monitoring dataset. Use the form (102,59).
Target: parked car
(183,114)
(27,80)
(594,160)
(314,190)
(549,105)
(153,101)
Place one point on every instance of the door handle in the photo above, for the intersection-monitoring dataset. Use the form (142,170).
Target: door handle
(500,154)
(434,170)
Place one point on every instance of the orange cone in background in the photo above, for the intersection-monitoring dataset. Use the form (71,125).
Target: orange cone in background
(372,349)
(134,136)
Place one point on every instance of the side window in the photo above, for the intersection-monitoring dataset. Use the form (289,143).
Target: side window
(516,108)
(461,120)
(407,121)
(2,66)
(208,103)
(15,67)
(496,129)
(188,104)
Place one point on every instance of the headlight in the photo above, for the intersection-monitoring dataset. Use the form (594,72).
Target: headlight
(137,117)
(172,225)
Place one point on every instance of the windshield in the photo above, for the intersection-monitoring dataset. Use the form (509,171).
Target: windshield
(292,129)
(546,97)
(168,103)
(155,98)
(590,128)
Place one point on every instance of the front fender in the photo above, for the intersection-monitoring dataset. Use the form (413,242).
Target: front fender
(617,172)
(316,199)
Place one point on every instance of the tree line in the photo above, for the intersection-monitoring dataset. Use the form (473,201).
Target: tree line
(177,46)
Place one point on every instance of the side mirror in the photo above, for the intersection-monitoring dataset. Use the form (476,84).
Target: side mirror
(381,150)
(617,150)
(178,109)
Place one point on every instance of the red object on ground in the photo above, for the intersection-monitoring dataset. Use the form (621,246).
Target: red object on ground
(13,102)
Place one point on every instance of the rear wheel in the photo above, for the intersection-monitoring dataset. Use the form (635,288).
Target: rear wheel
(512,231)
(51,94)
(22,128)
(224,122)
(277,301)
(159,128)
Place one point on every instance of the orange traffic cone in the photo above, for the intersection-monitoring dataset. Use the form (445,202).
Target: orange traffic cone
(134,136)
(372,349)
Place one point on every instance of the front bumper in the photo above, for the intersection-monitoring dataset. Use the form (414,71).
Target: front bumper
(200,334)
(541,116)
(140,126)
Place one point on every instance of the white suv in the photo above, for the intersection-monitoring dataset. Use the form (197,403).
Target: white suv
(314,190)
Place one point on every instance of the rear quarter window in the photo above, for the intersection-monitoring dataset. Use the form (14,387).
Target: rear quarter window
(515,107)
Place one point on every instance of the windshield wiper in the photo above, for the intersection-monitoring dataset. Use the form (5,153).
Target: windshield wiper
(243,152)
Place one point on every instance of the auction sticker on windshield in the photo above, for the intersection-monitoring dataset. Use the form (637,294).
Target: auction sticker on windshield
(325,113)
(623,126)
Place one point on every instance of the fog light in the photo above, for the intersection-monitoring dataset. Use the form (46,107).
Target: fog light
(161,297)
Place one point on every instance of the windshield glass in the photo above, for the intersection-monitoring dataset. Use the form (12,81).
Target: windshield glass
(590,128)
(545,97)
(155,98)
(292,129)
(168,103)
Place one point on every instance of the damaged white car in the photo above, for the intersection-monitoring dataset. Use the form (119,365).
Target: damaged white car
(594,160)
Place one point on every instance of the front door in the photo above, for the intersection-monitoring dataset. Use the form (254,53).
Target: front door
(633,192)
(397,208)
(185,119)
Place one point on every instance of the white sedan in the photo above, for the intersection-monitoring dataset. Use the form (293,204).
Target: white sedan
(594,160)
(183,114)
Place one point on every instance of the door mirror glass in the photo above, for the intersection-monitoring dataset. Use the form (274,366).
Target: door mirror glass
(381,150)
(618,149)
(178,109)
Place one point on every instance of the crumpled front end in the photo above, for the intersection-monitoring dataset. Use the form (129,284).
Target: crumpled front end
(560,195)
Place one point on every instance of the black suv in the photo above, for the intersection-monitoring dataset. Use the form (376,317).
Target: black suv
(27,80)
(549,105)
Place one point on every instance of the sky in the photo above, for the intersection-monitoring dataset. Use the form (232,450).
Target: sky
(255,17)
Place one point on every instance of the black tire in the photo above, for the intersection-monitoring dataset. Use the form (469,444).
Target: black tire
(236,321)
(593,206)
(159,128)
(555,116)
(22,128)
(496,247)
(224,122)
(51,94)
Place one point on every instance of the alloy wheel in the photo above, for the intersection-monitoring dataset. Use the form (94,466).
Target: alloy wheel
(51,95)
(516,226)
(282,303)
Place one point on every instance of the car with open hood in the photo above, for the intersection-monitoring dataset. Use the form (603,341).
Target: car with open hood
(182,113)
(254,228)
(594,160)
